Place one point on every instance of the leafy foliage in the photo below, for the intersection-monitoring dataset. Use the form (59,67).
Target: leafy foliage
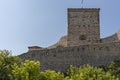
(12,68)
(113,68)
(6,62)
(51,75)
(28,70)
(88,73)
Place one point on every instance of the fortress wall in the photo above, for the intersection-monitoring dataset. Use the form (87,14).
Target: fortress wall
(113,38)
(61,58)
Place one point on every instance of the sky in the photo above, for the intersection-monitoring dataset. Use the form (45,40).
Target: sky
(41,23)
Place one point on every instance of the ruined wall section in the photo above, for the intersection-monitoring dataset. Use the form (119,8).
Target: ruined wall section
(113,38)
(110,39)
(34,48)
(61,58)
(61,42)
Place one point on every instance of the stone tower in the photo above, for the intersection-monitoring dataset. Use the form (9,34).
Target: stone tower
(83,26)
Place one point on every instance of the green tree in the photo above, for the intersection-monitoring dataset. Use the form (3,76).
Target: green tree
(88,73)
(113,68)
(28,70)
(51,75)
(6,61)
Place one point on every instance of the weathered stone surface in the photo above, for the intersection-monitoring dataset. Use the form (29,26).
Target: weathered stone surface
(61,58)
(34,48)
(113,38)
(83,26)
(61,42)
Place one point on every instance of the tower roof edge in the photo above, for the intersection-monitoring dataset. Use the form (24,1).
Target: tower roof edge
(83,9)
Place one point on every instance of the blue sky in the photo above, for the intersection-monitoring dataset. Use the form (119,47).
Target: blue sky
(26,23)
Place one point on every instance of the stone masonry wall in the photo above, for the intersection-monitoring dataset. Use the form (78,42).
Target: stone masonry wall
(83,26)
(113,38)
(61,58)
(110,39)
